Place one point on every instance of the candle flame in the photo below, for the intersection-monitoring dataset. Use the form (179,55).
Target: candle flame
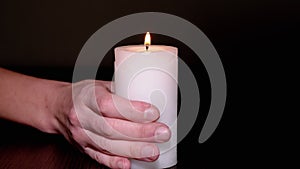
(147,39)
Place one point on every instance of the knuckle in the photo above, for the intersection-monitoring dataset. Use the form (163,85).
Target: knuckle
(142,131)
(105,145)
(134,151)
(108,131)
(98,157)
(73,119)
(104,127)
(104,102)
(111,163)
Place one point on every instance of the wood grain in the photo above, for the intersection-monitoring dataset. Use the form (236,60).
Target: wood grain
(22,147)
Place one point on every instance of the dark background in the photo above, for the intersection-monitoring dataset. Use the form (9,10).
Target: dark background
(256,40)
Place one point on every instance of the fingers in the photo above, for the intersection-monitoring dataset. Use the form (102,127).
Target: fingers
(138,150)
(110,105)
(108,160)
(119,129)
(117,107)
(126,130)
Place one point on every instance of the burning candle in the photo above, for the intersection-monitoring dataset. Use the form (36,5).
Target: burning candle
(149,73)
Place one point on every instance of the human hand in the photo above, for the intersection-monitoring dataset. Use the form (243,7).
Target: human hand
(109,128)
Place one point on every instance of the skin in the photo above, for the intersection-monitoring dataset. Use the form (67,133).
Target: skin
(109,128)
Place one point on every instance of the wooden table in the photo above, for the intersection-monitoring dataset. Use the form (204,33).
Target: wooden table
(23,147)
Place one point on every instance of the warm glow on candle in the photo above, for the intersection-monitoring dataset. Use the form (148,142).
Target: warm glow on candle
(147,42)
(145,70)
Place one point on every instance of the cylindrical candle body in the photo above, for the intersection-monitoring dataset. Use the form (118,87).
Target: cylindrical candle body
(151,76)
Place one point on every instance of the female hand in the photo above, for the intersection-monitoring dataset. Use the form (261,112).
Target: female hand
(109,128)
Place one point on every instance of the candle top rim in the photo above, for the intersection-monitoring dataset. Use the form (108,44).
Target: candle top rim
(141,48)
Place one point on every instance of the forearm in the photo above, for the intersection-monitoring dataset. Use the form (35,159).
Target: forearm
(31,101)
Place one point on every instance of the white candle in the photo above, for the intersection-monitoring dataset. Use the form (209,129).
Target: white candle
(150,75)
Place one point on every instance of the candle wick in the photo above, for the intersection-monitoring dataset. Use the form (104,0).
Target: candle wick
(147,47)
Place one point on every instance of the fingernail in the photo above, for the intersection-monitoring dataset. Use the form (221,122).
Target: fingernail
(162,134)
(120,164)
(147,151)
(149,114)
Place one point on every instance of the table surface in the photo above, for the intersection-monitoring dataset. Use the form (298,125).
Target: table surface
(25,147)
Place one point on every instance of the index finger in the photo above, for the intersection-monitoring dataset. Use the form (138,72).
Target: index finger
(111,105)
(114,106)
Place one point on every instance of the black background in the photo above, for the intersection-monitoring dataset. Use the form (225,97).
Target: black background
(256,40)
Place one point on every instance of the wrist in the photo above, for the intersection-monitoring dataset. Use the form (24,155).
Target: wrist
(59,101)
